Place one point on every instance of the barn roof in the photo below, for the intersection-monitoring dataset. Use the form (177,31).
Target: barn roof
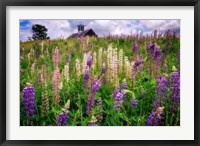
(83,33)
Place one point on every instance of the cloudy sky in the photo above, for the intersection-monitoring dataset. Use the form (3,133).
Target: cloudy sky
(64,28)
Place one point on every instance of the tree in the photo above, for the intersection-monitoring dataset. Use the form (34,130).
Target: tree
(39,32)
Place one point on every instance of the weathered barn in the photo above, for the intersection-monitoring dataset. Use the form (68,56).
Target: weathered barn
(83,33)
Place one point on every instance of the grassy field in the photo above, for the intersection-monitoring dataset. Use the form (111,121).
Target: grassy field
(138,87)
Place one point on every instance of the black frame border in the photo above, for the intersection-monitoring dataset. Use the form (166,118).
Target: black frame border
(5,3)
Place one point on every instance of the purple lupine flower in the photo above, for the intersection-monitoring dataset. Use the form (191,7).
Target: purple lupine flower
(103,69)
(89,60)
(118,98)
(157,102)
(28,102)
(160,92)
(150,119)
(134,103)
(100,108)
(135,49)
(157,56)
(161,87)
(134,71)
(158,60)
(152,49)
(95,86)
(90,103)
(99,103)
(91,99)
(137,63)
(175,90)
(155,117)
(124,85)
(86,78)
(62,119)
(165,68)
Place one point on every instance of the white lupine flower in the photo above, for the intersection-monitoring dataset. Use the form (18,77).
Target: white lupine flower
(33,68)
(120,61)
(100,56)
(115,64)
(78,69)
(127,66)
(84,63)
(66,72)
(94,61)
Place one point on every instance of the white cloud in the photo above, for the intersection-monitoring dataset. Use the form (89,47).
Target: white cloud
(113,27)
(161,25)
(56,28)
(64,28)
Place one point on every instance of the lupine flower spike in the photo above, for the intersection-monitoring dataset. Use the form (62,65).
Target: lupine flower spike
(93,121)
(120,61)
(160,92)
(56,87)
(29,101)
(91,98)
(115,71)
(103,69)
(175,90)
(100,56)
(84,62)
(118,99)
(155,117)
(39,78)
(66,72)
(78,69)
(134,71)
(100,112)
(56,57)
(141,65)
(33,67)
(63,117)
(89,60)
(45,104)
(134,103)
(127,65)
(135,51)
(44,75)
(165,69)
(124,86)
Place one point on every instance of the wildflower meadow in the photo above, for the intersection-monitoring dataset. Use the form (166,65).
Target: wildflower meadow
(114,80)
